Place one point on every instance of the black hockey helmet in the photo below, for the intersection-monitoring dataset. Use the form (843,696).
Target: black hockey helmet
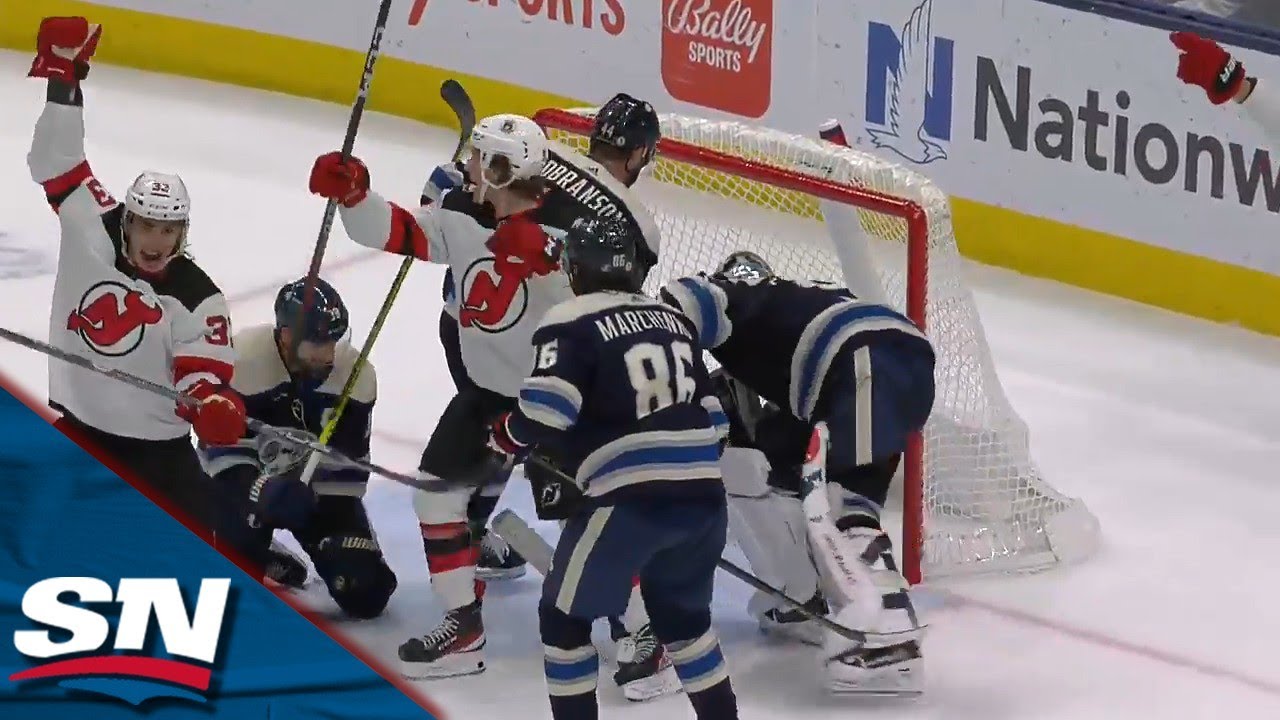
(603,254)
(325,318)
(745,265)
(627,124)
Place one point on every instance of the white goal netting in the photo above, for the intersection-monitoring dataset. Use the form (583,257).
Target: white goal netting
(974,500)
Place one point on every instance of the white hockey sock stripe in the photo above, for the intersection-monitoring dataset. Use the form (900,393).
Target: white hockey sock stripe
(699,662)
(570,672)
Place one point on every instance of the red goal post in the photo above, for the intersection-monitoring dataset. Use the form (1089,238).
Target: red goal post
(911,213)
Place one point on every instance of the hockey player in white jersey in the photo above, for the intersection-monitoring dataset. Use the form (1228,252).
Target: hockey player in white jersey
(508,274)
(298,385)
(1206,64)
(127,297)
(622,143)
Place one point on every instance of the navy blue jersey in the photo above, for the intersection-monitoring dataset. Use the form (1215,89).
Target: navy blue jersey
(620,389)
(272,396)
(781,337)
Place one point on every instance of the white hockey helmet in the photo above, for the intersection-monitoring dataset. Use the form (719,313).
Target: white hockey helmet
(160,196)
(514,137)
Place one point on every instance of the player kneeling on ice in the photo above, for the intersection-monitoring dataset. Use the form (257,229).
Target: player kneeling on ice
(508,270)
(619,387)
(1206,64)
(865,372)
(299,385)
(129,298)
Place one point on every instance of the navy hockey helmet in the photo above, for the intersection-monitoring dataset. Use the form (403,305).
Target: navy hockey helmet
(325,319)
(603,254)
(745,265)
(627,124)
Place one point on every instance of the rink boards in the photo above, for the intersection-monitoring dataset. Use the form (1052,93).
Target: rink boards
(1190,236)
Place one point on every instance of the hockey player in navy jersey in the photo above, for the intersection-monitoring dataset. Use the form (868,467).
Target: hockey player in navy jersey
(297,385)
(863,369)
(620,388)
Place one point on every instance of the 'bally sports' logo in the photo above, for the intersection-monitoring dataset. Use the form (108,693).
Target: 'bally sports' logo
(719,53)
(76,649)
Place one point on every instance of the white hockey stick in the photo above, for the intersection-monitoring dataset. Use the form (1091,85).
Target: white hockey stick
(537,551)
(298,438)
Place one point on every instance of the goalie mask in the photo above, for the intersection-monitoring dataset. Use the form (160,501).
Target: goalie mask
(745,265)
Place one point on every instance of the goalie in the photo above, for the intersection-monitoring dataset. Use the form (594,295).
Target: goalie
(866,372)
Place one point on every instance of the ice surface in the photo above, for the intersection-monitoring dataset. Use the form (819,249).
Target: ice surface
(1165,425)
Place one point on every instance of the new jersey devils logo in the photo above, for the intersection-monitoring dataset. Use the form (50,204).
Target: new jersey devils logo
(113,318)
(492,302)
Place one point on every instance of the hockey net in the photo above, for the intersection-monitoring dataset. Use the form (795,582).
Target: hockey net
(973,500)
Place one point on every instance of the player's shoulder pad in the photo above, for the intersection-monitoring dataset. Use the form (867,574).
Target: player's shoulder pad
(705,303)
(187,283)
(581,306)
(464,203)
(258,364)
(366,389)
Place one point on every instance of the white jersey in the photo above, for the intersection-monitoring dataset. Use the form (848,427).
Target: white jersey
(496,315)
(174,331)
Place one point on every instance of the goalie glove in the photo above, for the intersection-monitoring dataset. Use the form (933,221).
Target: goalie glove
(1205,64)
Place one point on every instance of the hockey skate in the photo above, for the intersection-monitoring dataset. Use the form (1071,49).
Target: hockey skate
(454,648)
(644,669)
(284,568)
(498,560)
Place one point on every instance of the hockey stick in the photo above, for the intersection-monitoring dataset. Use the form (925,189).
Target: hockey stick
(456,97)
(294,437)
(348,144)
(517,533)
(537,552)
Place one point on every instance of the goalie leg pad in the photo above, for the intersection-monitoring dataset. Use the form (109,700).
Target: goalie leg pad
(355,572)
(769,527)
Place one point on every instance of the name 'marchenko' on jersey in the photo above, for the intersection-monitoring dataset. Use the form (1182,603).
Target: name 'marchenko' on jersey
(630,322)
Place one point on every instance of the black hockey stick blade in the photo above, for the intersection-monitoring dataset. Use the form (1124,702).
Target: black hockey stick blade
(456,97)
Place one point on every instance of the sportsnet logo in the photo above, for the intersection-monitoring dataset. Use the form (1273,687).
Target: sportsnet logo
(129,670)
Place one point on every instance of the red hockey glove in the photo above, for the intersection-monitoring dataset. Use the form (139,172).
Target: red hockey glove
(501,442)
(219,419)
(335,179)
(520,247)
(63,48)
(1204,63)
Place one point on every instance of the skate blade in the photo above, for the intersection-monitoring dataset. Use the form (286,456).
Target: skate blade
(665,682)
(457,665)
(490,575)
